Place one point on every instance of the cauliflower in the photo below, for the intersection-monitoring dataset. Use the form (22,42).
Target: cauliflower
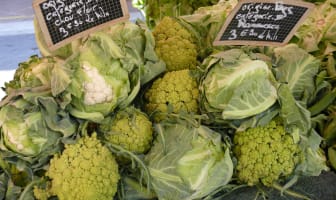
(47,73)
(130,128)
(265,154)
(175,45)
(86,170)
(96,90)
(177,89)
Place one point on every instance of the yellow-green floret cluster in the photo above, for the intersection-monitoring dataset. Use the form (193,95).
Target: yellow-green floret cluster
(265,154)
(175,45)
(131,129)
(86,170)
(177,89)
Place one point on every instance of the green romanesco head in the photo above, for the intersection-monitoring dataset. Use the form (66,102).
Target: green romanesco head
(129,128)
(86,170)
(176,89)
(265,154)
(175,45)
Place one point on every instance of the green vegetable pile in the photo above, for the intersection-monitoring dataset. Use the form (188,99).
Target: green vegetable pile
(154,111)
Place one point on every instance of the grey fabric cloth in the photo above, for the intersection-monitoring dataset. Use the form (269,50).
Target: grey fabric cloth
(322,187)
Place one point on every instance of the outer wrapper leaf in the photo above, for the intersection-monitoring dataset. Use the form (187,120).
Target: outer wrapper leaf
(236,86)
(298,122)
(198,167)
(298,71)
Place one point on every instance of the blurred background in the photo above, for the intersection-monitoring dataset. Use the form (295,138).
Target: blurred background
(17,39)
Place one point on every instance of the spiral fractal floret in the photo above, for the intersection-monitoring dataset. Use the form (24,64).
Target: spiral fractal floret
(86,170)
(175,45)
(265,154)
(177,90)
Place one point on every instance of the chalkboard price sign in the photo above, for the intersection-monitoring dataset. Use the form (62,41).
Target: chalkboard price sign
(263,22)
(62,21)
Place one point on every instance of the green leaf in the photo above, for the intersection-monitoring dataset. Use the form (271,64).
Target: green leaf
(297,121)
(200,165)
(294,115)
(60,79)
(238,86)
(298,71)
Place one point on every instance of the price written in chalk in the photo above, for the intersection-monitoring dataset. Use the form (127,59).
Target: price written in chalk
(263,22)
(67,17)
(66,20)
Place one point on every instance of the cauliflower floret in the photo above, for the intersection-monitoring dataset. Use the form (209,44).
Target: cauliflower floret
(131,129)
(177,89)
(175,45)
(265,154)
(86,170)
(96,90)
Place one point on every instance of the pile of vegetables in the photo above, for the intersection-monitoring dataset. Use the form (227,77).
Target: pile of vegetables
(155,111)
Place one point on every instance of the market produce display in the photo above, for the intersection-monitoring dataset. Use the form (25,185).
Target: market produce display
(151,110)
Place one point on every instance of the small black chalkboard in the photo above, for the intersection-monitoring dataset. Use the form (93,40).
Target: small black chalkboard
(62,21)
(263,22)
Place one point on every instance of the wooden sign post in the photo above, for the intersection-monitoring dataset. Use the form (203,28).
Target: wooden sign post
(63,21)
(263,22)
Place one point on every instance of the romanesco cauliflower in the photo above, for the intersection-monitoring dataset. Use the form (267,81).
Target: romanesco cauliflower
(175,45)
(130,128)
(86,170)
(177,89)
(265,154)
